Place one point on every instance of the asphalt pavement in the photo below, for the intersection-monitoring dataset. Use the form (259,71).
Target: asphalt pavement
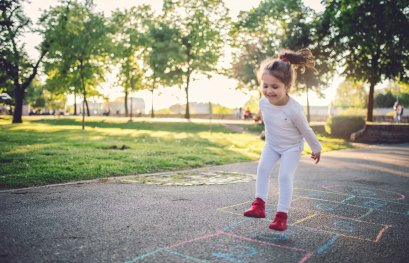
(351,207)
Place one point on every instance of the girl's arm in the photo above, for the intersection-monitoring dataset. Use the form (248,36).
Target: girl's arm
(302,125)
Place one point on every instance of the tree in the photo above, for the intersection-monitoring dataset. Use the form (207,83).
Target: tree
(35,94)
(302,32)
(201,26)
(255,36)
(384,100)
(164,57)
(79,50)
(370,39)
(394,91)
(274,25)
(15,65)
(351,94)
(129,30)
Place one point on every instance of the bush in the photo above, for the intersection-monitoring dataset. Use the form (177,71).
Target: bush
(344,126)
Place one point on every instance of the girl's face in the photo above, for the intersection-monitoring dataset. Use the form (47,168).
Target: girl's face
(274,90)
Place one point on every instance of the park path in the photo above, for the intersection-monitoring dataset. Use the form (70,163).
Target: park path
(352,207)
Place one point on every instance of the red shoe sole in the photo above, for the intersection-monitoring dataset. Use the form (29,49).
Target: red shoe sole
(277,228)
(255,216)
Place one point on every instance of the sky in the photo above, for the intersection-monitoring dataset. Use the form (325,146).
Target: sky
(218,89)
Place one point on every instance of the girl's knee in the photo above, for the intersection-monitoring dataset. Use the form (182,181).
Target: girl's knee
(285,179)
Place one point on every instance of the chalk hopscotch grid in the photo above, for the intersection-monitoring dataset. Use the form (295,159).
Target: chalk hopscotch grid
(378,237)
(223,209)
(401,196)
(383,227)
(321,249)
(370,209)
(350,197)
(305,257)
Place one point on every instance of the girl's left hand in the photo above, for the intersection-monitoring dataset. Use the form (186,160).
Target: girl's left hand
(316,157)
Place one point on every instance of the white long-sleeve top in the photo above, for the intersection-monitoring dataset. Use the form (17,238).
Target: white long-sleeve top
(286,126)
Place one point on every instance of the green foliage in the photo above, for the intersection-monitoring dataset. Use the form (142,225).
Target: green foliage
(48,150)
(393,92)
(165,54)
(350,111)
(44,151)
(255,40)
(201,26)
(385,100)
(17,70)
(219,109)
(343,126)
(35,95)
(351,94)
(369,38)
(78,49)
(129,29)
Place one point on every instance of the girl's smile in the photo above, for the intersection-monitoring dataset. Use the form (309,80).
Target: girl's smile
(274,90)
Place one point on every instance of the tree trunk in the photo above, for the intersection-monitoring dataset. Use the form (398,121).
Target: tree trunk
(18,108)
(83,113)
(126,103)
(308,107)
(86,104)
(369,115)
(75,103)
(153,88)
(84,95)
(187,113)
(152,112)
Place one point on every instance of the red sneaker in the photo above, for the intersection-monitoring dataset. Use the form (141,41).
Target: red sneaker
(280,222)
(258,209)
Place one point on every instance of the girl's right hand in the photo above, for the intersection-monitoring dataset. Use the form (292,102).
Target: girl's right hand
(316,157)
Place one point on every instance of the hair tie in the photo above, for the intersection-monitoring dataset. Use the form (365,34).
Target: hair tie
(284,59)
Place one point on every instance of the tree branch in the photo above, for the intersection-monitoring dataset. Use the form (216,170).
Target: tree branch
(35,69)
(19,27)
(11,13)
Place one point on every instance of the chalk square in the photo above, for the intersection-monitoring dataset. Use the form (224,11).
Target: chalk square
(328,207)
(365,192)
(294,215)
(380,204)
(227,247)
(295,236)
(346,227)
(382,217)
(322,195)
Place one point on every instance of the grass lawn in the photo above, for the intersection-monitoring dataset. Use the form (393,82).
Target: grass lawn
(45,150)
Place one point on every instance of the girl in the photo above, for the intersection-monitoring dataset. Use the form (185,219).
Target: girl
(285,129)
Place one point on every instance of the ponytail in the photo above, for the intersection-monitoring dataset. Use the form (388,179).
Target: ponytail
(302,57)
(283,67)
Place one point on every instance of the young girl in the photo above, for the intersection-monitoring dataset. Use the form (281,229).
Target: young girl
(285,129)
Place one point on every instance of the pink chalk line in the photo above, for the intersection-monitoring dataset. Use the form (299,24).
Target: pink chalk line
(217,233)
(304,259)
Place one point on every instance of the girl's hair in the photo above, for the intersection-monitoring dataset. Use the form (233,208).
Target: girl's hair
(284,66)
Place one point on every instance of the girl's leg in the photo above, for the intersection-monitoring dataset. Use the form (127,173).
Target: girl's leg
(288,166)
(265,166)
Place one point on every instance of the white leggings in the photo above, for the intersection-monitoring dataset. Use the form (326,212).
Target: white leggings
(288,165)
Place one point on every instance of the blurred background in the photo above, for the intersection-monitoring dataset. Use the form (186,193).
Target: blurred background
(186,58)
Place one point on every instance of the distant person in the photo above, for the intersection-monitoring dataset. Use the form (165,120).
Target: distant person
(285,130)
(247,114)
(398,108)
